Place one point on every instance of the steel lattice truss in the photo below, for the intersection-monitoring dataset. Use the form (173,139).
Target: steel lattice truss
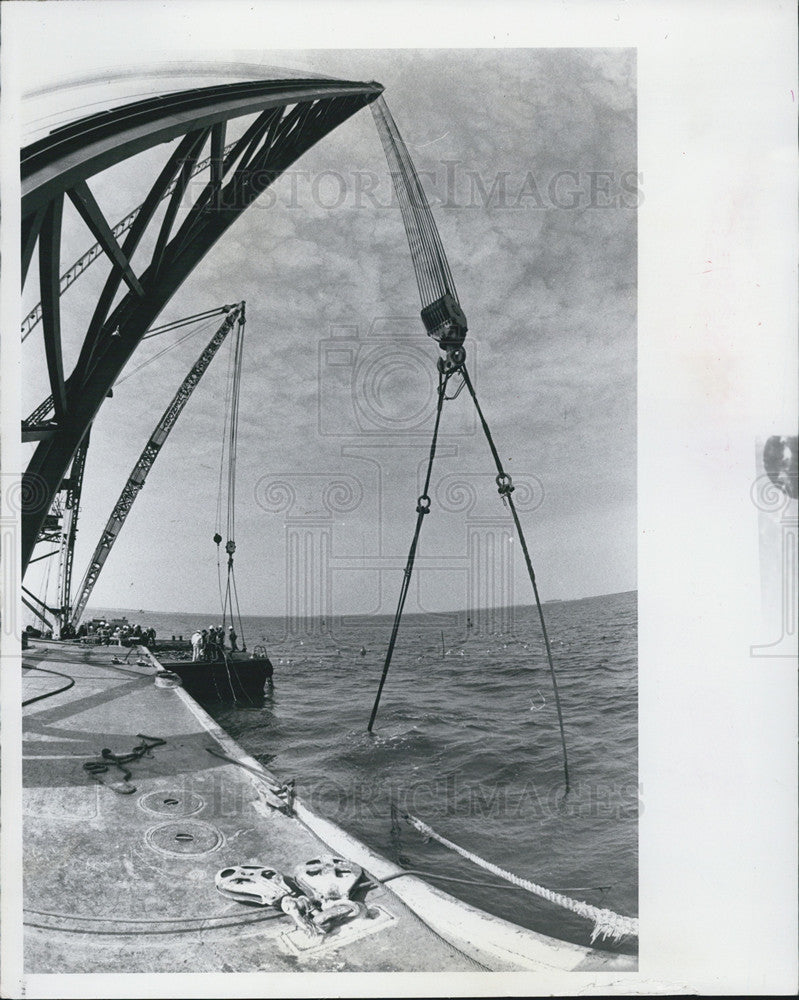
(290,117)
(146,461)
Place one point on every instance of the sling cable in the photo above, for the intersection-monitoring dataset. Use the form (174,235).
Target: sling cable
(226,496)
(445,322)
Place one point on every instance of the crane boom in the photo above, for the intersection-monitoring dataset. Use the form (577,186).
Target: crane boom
(148,456)
(69,530)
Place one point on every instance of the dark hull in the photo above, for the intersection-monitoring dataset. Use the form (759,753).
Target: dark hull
(220,680)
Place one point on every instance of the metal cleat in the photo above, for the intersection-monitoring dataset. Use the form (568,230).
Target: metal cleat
(327,878)
(300,909)
(337,911)
(286,794)
(252,884)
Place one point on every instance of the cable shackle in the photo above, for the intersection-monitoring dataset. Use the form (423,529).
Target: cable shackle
(423,504)
(504,484)
(454,359)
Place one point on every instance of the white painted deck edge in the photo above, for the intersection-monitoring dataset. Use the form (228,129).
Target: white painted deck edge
(496,943)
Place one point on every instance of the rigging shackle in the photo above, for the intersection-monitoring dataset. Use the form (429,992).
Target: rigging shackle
(423,504)
(230,548)
(504,484)
(455,357)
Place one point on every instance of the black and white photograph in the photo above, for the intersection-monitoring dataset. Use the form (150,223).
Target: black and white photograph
(374,609)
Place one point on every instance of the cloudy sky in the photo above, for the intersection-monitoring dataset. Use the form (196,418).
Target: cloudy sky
(529,160)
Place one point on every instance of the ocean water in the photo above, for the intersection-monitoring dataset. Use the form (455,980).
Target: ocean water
(466,739)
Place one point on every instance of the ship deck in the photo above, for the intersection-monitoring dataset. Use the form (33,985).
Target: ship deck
(124,883)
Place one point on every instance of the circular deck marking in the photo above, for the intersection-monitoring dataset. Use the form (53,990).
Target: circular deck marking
(184,837)
(172,803)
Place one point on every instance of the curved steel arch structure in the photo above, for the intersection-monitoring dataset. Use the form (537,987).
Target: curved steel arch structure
(292,115)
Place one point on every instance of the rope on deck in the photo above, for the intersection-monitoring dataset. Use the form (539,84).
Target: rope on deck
(607,924)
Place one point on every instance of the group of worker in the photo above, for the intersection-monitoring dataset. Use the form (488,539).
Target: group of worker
(210,643)
(106,634)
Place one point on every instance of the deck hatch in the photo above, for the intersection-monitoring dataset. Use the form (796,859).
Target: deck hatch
(184,837)
(172,803)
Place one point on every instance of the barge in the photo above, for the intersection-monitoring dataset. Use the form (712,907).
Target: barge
(152,842)
(121,862)
(233,677)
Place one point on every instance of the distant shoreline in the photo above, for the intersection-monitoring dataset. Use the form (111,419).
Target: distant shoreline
(213,615)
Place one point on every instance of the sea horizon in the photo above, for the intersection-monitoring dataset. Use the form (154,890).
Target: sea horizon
(339,616)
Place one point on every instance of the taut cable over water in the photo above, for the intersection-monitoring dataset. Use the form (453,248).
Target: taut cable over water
(505,488)
(422,508)
(446,323)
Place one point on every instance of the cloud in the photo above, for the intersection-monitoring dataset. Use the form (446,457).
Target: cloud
(549,291)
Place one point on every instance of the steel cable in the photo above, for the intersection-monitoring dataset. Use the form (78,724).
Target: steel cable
(505,488)
(422,508)
(48,694)
(439,275)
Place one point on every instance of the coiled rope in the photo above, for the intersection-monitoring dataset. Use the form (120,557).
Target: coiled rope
(108,757)
(607,924)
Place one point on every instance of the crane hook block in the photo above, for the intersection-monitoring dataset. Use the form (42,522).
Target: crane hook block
(230,547)
(445,321)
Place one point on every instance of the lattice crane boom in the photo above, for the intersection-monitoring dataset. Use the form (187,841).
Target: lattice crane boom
(74,487)
(148,456)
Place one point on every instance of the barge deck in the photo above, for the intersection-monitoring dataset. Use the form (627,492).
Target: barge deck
(119,872)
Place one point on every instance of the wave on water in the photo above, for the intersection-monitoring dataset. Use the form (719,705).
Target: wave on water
(469,742)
